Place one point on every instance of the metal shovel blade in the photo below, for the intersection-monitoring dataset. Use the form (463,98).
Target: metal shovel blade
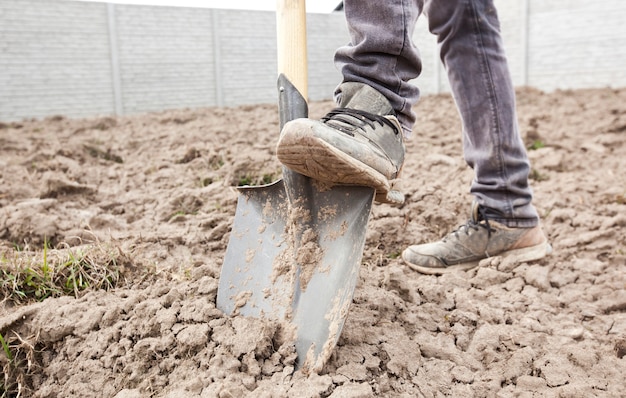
(294,253)
(308,284)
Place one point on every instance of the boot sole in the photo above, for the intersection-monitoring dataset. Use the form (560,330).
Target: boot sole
(517,256)
(312,156)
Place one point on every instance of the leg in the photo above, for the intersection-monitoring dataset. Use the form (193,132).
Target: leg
(471,47)
(361,142)
(381,52)
(503,221)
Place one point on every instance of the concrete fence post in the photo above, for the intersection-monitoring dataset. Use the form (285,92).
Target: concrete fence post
(525,40)
(217,59)
(115,62)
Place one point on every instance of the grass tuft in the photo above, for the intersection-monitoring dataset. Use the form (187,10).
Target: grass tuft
(536,144)
(28,276)
(249,180)
(17,365)
(34,276)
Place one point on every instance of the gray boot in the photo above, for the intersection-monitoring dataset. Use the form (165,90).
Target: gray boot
(479,238)
(358,143)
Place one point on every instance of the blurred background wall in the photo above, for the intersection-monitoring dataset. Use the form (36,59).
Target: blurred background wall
(63,57)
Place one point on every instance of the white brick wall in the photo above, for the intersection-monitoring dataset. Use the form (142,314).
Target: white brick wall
(247,45)
(325,33)
(165,57)
(60,57)
(54,59)
(577,44)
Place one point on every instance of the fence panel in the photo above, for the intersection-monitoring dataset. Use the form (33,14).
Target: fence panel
(84,58)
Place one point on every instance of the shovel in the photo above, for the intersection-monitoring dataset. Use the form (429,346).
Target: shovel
(296,246)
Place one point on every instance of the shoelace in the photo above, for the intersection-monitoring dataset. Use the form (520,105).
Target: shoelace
(349,116)
(474,224)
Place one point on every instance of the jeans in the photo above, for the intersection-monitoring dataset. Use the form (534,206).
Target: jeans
(381,54)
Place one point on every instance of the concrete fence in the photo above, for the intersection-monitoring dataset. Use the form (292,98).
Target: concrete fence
(84,59)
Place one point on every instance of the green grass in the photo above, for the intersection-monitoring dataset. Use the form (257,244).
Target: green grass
(248,180)
(395,254)
(537,144)
(6,349)
(28,276)
(18,365)
(34,276)
(537,176)
(9,385)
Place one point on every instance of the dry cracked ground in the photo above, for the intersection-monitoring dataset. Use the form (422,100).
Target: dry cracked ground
(151,199)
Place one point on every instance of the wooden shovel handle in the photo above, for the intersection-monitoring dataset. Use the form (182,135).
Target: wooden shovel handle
(291,42)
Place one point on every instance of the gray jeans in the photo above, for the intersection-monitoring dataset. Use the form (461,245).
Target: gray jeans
(382,55)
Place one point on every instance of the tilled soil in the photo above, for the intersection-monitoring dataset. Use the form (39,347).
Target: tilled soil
(160,190)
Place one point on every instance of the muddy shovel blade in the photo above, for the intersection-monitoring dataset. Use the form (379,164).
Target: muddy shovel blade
(299,271)
(294,252)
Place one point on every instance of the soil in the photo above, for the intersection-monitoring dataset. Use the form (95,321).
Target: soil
(160,189)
